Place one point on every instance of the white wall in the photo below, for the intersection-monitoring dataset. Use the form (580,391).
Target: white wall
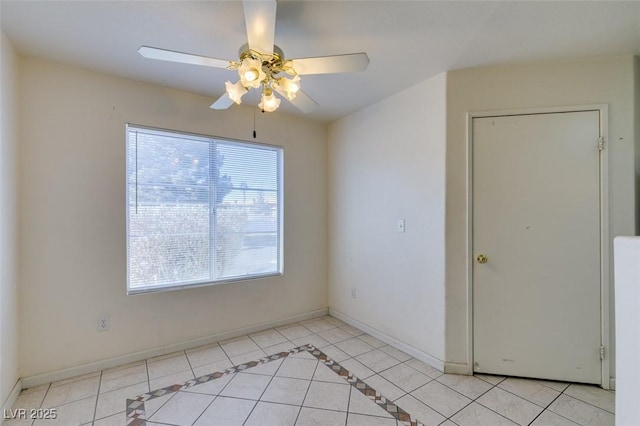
(8,218)
(627,273)
(604,80)
(387,162)
(72,230)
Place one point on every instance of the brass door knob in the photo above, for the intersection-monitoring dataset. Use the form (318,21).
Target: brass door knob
(481,258)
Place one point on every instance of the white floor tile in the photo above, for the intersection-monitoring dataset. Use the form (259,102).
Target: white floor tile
(357,368)
(245,385)
(469,386)
(71,391)
(420,411)
(286,391)
(227,412)
(153,405)
(118,419)
(183,409)
(330,396)
(581,412)
(312,339)
(442,399)
(385,387)
(325,374)
(509,405)
(214,367)
(280,347)
(72,414)
(268,338)
(266,413)
(352,330)
(336,354)
(297,368)
(318,325)
(316,417)
(247,357)
(30,400)
(171,379)
(424,368)
(377,360)
(396,353)
(376,343)
(115,401)
(335,335)
(167,366)
(476,415)
(354,346)
(405,377)
(294,331)
(117,379)
(593,395)
(549,418)
(239,346)
(362,404)
(559,386)
(207,355)
(489,378)
(363,420)
(530,390)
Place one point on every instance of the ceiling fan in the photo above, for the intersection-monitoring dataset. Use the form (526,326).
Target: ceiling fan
(262,65)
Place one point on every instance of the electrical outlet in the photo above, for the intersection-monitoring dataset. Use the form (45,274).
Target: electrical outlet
(353,292)
(400,225)
(103,323)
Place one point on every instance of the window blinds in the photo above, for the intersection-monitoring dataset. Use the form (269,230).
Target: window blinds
(200,210)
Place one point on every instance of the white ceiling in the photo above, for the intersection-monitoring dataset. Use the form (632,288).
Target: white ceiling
(407,42)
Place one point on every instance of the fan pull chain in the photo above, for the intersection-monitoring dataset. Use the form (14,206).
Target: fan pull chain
(254,116)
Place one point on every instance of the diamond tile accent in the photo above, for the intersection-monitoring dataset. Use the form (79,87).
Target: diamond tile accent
(136,409)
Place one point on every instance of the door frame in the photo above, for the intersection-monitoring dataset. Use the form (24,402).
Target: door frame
(604,223)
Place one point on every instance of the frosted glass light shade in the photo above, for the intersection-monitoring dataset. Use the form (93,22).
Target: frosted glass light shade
(251,73)
(269,102)
(235,91)
(289,86)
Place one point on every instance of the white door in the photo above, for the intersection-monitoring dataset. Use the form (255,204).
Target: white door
(536,219)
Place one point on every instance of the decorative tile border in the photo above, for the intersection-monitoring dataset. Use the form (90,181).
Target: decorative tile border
(136,411)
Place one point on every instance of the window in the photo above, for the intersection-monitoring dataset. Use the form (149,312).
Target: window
(200,210)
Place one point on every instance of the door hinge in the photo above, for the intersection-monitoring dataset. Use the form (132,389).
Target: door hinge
(601,143)
(602,353)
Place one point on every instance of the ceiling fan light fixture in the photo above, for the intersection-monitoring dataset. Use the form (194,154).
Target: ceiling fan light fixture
(269,102)
(251,73)
(290,86)
(235,91)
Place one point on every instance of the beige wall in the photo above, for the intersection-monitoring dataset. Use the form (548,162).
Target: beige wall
(387,162)
(636,129)
(598,81)
(72,230)
(8,218)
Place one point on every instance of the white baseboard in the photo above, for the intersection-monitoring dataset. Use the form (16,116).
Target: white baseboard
(416,353)
(40,379)
(11,399)
(456,368)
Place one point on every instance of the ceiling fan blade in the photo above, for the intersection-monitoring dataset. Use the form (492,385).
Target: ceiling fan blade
(223,102)
(351,62)
(184,58)
(302,101)
(260,19)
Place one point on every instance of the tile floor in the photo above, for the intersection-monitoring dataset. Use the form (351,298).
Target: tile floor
(361,382)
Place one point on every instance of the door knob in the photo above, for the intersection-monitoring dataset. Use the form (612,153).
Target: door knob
(481,258)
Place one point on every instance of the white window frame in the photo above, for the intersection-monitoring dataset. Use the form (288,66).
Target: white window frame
(279,150)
